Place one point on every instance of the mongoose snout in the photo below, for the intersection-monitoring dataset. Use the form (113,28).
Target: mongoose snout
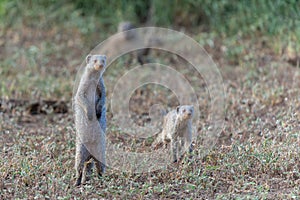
(99,63)
(187,112)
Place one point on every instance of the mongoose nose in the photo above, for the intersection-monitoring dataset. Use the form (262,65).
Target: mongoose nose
(100,63)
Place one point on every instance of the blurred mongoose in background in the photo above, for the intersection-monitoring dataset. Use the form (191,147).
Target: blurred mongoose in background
(131,36)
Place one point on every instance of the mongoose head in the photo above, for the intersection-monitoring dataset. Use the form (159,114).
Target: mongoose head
(96,62)
(126,26)
(185,112)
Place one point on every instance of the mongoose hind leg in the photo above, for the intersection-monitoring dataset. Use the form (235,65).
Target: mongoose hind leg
(78,178)
(87,170)
(100,167)
(82,156)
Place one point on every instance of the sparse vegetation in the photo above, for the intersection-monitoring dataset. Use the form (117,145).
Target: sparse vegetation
(256,45)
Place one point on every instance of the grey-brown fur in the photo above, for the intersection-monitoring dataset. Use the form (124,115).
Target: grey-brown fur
(177,130)
(90,119)
(126,27)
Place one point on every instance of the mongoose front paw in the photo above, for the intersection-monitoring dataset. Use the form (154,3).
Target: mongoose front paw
(90,114)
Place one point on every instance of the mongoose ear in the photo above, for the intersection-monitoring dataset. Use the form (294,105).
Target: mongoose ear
(177,109)
(88,58)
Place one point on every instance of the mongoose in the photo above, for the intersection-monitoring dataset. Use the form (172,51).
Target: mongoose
(130,36)
(177,130)
(90,119)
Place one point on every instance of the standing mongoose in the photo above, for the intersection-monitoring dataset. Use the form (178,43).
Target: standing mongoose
(177,129)
(90,119)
